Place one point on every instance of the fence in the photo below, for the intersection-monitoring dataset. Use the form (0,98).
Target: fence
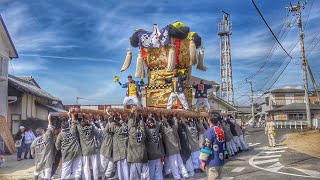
(296,124)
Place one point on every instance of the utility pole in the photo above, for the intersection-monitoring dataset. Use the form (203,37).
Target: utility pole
(297,10)
(252,108)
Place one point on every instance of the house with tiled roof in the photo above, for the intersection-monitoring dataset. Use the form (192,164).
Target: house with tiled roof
(288,103)
(28,104)
(219,105)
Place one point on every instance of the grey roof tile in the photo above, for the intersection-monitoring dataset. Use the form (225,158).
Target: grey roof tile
(28,87)
(296,106)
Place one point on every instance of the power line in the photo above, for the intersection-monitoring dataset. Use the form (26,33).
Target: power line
(270,29)
(278,76)
(313,47)
(276,45)
(280,65)
(282,36)
(273,49)
(288,71)
(315,37)
(277,79)
(306,23)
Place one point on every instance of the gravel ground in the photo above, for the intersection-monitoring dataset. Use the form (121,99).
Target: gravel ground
(305,142)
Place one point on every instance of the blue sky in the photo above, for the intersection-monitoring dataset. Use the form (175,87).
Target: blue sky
(75,48)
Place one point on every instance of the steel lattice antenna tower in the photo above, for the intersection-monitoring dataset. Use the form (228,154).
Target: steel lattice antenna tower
(224,31)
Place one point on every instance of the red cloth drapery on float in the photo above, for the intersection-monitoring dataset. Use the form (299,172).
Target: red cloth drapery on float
(144,56)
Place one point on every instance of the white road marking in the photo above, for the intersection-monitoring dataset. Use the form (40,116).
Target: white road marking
(238,169)
(275,167)
(266,161)
(226,178)
(264,157)
(255,144)
(272,152)
(279,148)
(309,172)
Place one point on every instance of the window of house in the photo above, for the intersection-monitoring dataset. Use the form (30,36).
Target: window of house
(279,99)
(279,96)
(297,116)
(298,98)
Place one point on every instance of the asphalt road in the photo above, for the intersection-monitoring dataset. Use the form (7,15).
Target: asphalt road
(262,162)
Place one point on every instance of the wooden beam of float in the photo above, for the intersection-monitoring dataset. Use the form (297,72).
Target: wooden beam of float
(144,111)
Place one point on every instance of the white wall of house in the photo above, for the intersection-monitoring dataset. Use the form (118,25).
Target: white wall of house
(218,106)
(6,52)
(24,107)
(286,98)
(4,61)
(41,113)
(29,109)
(265,108)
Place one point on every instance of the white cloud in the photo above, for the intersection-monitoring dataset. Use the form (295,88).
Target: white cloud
(61,89)
(69,58)
(26,31)
(25,66)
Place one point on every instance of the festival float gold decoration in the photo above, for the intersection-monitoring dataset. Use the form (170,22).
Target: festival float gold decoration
(180,53)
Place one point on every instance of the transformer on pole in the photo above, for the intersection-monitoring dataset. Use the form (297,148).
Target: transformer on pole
(224,31)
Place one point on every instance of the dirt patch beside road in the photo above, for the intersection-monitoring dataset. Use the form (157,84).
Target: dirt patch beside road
(304,142)
(17,170)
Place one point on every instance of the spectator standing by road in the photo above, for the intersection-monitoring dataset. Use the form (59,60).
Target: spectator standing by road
(269,130)
(20,142)
(28,138)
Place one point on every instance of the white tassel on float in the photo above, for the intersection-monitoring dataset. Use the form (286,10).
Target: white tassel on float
(143,72)
(139,67)
(200,65)
(193,52)
(127,61)
(171,59)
